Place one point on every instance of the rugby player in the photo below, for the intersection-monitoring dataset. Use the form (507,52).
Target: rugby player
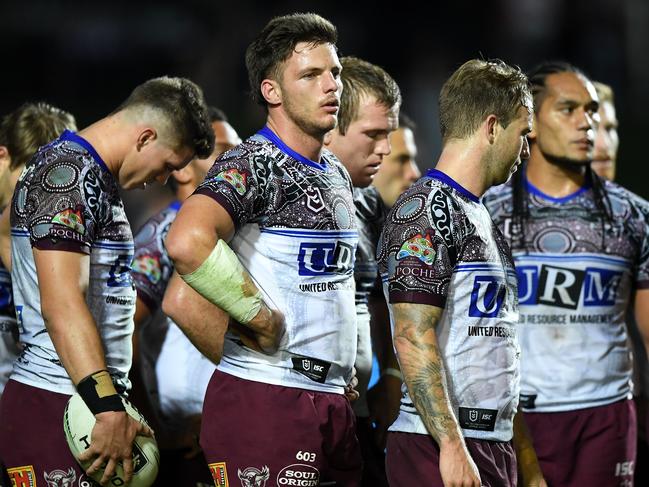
(451,286)
(71,250)
(581,247)
(270,237)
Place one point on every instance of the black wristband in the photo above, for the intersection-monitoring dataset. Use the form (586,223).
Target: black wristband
(98,392)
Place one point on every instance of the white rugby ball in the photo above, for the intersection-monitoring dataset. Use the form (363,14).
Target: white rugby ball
(78,423)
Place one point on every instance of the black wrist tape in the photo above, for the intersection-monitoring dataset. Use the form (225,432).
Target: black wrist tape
(98,392)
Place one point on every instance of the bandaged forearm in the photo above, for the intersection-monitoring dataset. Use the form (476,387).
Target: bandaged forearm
(222,280)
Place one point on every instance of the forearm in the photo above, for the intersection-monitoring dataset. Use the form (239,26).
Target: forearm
(423,370)
(75,337)
(201,321)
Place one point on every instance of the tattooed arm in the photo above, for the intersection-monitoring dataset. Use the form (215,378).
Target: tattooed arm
(421,363)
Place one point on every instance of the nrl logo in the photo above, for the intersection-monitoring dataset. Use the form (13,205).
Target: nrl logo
(253,477)
(473,415)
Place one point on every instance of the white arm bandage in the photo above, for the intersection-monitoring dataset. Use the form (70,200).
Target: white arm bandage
(222,280)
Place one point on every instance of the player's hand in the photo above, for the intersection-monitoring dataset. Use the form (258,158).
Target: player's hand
(350,389)
(112,442)
(456,465)
(383,401)
(264,332)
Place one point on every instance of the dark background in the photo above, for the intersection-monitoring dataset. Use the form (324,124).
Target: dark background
(87,56)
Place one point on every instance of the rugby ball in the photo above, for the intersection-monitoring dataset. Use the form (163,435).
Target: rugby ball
(78,423)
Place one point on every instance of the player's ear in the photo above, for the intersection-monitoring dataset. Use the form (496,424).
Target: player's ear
(145,137)
(328,137)
(184,175)
(271,91)
(5,158)
(491,127)
(532,135)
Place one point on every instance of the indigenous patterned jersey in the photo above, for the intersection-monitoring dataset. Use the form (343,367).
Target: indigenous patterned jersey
(370,216)
(296,236)
(576,277)
(175,372)
(67,200)
(8,328)
(439,247)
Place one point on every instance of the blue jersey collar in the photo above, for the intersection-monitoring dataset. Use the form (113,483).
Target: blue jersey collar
(445,178)
(77,139)
(272,136)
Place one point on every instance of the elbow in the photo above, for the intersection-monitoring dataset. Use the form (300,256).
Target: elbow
(171,304)
(183,246)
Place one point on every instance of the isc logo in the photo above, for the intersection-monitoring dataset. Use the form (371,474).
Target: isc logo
(487,297)
(320,259)
(556,286)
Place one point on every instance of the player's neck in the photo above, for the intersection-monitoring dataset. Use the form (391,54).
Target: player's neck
(108,137)
(463,163)
(305,144)
(552,177)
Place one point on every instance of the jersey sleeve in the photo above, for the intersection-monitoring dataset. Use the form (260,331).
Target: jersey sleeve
(231,183)
(65,203)
(642,271)
(423,252)
(152,267)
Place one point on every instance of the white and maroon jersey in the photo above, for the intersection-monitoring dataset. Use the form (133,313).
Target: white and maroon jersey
(9,349)
(576,273)
(439,247)
(296,236)
(67,200)
(176,374)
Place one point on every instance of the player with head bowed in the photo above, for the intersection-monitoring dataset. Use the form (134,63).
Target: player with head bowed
(72,249)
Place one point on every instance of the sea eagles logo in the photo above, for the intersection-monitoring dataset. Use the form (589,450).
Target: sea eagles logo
(418,246)
(234,178)
(72,219)
(253,477)
(148,265)
(59,478)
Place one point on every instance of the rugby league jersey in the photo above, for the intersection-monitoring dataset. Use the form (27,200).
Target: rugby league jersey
(576,277)
(440,247)
(66,200)
(296,236)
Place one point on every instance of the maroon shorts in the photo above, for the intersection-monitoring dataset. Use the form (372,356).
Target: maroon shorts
(255,431)
(594,446)
(32,443)
(413,460)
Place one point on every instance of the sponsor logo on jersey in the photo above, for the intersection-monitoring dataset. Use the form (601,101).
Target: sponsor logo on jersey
(219,474)
(478,419)
(253,477)
(22,476)
(149,266)
(299,474)
(325,258)
(563,288)
(314,369)
(487,297)
(119,274)
(235,179)
(419,246)
(72,219)
(59,478)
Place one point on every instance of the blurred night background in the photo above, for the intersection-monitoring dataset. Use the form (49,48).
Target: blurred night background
(87,56)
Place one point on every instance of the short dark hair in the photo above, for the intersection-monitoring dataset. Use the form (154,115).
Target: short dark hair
(362,78)
(405,122)
(31,126)
(276,42)
(182,103)
(216,114)
(477,89)
(539,74)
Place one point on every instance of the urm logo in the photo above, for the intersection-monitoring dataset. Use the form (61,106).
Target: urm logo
(487,297)
(560,287)
(320,259)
